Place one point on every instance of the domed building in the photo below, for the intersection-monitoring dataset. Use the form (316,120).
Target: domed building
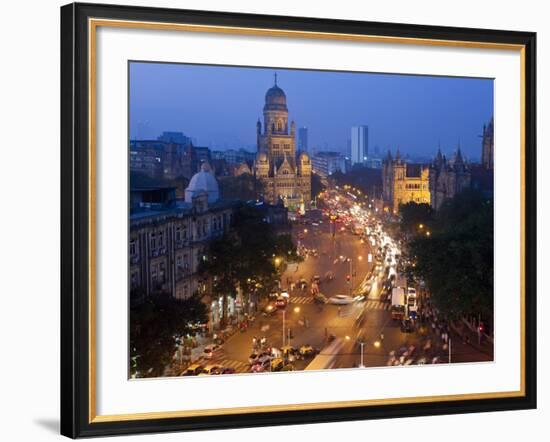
(285,175)
(203,182)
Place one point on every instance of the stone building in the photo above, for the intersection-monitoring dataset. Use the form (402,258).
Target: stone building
(168,238)
(404,182)
(284,173)
(448,178)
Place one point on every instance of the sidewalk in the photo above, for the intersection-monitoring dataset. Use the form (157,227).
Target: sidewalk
(470,338)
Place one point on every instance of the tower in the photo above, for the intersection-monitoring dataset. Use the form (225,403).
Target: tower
(488,145)
(284,176)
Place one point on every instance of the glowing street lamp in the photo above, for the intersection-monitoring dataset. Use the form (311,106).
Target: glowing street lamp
(428,233)
(420,226)
(277,261)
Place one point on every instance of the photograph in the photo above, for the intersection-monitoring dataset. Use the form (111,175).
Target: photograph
(301,219)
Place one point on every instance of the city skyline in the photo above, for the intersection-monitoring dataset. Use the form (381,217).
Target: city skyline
(200,101)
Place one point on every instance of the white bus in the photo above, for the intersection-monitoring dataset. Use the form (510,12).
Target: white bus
(327,357)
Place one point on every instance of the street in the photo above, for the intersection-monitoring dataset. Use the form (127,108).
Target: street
(370,337)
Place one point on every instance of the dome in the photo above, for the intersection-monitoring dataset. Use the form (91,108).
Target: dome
(203,182)
(275,98)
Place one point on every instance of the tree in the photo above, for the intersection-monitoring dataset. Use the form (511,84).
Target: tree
(317,185)
(456,260)
(245,257)
(154,325)
(414,215)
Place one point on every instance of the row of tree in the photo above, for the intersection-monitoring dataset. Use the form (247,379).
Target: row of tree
(249,257)
(451,250)
(155,325)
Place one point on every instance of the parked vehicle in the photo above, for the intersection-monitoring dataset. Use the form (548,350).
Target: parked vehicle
(307,350)
(281,302)
(193,370)
(211,369)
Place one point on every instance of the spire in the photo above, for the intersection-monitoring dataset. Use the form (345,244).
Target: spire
(275,78)
(458,156)
(439,156)
(398,155)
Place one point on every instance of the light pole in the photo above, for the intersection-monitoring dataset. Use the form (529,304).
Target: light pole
(284,335)
(362,347)
(350,276)
(449,350)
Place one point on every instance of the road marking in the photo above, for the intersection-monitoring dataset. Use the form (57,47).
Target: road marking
(239,366)
(301,300)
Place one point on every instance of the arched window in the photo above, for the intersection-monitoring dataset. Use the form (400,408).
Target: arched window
(279,125)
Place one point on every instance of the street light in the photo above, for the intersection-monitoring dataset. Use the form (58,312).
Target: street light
(277,261)
(428,233)
(362,365)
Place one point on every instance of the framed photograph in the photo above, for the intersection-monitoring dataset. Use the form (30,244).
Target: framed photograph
(280,220)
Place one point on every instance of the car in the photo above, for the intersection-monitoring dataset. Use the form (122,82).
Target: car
(210,350)
(258,357)
(269,309)
(316,279)
(257,368)
(319,298)
(289,352)
(307,350)
(210,369)
(340,300)
(277,364)
(193,370)
(260,367)
(228,370)
(281,302)
(288,367)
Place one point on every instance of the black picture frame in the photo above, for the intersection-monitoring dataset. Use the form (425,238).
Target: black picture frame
(75,219)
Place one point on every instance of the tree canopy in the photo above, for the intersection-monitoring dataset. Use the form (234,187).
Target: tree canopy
(154,324)
(414,215)
(456,259)
(245,256)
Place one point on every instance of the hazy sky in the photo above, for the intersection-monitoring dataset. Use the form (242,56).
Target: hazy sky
(219,107)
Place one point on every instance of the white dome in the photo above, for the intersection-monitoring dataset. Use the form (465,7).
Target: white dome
(203,181)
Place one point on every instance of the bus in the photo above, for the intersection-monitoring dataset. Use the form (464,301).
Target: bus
(327,357)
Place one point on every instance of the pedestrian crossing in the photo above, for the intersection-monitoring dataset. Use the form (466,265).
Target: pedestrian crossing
(369,304)
(377,305)
(301,300)
(238,366)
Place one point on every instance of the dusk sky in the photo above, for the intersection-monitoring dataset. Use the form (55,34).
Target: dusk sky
(219,106)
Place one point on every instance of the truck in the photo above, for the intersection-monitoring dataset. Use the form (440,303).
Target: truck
(398,303)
